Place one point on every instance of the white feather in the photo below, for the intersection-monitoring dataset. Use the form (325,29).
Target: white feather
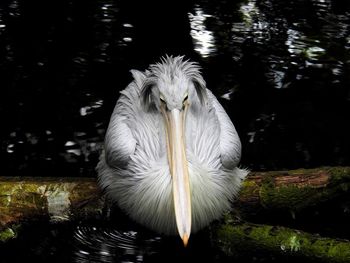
(134,170)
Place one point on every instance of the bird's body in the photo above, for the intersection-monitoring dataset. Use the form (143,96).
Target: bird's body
(138,168)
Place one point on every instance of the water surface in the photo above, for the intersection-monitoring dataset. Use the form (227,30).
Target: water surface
(280,68)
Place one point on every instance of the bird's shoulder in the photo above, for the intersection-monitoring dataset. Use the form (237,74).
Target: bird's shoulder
(230,144)
(132,131)
(120,141)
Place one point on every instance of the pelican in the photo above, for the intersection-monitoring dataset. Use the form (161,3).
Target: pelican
(171,151)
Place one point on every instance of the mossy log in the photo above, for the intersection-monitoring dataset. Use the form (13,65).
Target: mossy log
(292,190)
(54,199)
(64,199)
(245,240)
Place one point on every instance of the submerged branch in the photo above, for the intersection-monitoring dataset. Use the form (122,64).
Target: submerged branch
(241,239)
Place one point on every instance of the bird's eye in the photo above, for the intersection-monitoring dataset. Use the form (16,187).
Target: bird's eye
(184,102)
(162,98)
(185,98)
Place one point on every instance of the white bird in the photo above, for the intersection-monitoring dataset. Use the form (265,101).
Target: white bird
(171,151)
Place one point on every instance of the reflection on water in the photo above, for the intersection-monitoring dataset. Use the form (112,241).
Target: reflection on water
(103,244)
(60,79)
(280,68)
(101,241)
(202,38)
(288,60)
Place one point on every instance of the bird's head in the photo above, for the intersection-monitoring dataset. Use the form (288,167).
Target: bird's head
(169,88)
(172,82)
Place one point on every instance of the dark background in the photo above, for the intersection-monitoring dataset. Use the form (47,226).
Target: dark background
(282,67)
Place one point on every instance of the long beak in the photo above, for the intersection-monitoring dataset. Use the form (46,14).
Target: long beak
(175,120)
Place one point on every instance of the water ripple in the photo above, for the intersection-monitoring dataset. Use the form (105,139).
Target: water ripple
(105,244)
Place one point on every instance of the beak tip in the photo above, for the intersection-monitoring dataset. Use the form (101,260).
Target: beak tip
(185,238)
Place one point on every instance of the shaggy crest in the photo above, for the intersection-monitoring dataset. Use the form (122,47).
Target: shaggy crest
(172,70)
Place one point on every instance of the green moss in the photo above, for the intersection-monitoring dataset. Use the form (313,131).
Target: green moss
(248,184)
(341,251)
(288,197)
(249,187)
(294,198)
(339,174)
(8,233)
(238,238)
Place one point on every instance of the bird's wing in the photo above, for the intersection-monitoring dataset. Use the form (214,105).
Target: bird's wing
(119,142)
(230,144)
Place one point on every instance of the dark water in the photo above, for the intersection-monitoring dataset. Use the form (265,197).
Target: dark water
(91,243)
(280,68)
(283,68)
(118,240)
